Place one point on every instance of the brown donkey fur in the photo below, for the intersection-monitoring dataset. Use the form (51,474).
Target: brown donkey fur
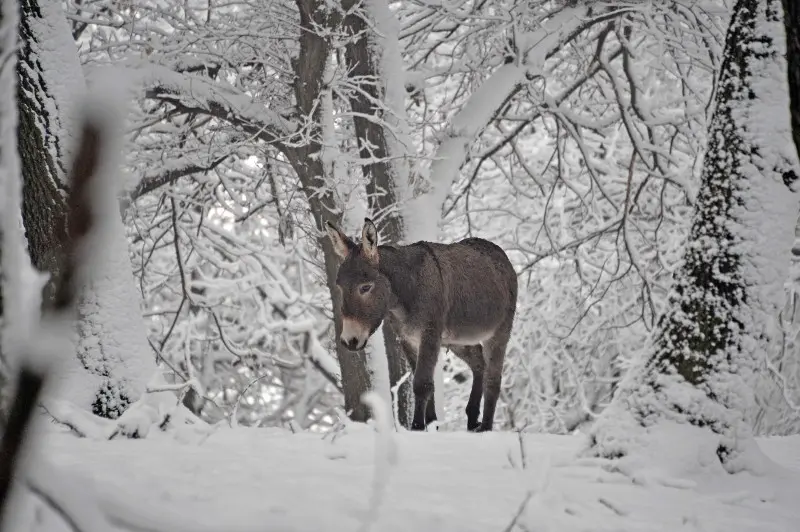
(461,296)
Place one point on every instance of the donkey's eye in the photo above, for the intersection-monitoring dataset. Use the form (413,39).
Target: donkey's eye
(364,288)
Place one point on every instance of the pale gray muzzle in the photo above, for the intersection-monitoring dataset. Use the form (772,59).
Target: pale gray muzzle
(354,334)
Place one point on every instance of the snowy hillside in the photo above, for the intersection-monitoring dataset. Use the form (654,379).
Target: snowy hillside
(271,480)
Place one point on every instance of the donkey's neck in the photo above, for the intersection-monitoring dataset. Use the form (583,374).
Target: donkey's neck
(392,262)
(396,264)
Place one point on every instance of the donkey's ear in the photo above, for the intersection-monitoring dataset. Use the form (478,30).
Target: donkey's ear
(369,241)
(341,244)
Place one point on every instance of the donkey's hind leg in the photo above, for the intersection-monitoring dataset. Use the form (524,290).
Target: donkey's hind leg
(473,356)
(430,411)
(495,351)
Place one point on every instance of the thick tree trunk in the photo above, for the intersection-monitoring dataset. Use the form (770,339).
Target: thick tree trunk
(353,366)
(309,67)
(371,120)
(113,361)
(44,194)
(368,103)
(791,23)
(727,294)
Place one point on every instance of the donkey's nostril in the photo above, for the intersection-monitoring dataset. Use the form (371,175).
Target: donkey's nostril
(350,344)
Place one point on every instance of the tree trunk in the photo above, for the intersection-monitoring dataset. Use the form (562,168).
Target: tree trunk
(44,201)
(791,23)
(113,359)
(309,69)
(353,366)
(727,294)
(387,173)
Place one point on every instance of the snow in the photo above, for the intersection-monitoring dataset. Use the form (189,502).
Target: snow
(385,454)
(378,365)
(60,70)
(218,97)
(270,479)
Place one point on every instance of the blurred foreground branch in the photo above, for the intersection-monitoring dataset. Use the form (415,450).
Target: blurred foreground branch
(36,361)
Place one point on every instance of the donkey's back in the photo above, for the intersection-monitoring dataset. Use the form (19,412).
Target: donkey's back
(479,289)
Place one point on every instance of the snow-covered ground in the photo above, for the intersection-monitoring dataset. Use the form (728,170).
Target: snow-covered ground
(272,480)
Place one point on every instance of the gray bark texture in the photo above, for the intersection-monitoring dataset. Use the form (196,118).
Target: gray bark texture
(791,22)
(706,342)
(309,66)
(702,320)
(44,208)
(362,67)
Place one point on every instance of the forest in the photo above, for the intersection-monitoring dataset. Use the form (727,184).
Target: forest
(185,187)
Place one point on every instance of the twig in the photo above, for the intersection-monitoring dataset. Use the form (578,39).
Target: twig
(52,504)
(30,383)
(614,508)
(71,426)
(522,455)
(232,421)
(520,510)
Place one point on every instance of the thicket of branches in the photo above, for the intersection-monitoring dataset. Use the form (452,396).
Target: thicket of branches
(586,173)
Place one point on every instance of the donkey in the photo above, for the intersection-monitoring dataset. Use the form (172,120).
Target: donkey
(461,296)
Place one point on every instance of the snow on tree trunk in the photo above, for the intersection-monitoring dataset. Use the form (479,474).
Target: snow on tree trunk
(378,364)
(9,168)
(723,308)
(376,69)
(113,359)
(306,160)
(19,279)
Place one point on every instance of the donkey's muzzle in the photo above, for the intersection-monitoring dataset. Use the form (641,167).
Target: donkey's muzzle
(354,334)
(351,344)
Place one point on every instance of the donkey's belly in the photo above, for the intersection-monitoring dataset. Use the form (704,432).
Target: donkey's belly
(466,336)
(449,338)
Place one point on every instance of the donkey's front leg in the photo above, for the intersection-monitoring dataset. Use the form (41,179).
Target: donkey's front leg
(423,380)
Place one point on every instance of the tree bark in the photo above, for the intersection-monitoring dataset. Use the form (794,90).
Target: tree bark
(309,69)
(112,360)
(44,205)
(727,293)
(370,123)
(791,23)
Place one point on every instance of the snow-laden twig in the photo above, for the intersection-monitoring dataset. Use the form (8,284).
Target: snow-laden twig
(385,455)
(395,402)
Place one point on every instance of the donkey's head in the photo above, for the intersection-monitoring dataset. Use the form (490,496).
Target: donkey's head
(365,292)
